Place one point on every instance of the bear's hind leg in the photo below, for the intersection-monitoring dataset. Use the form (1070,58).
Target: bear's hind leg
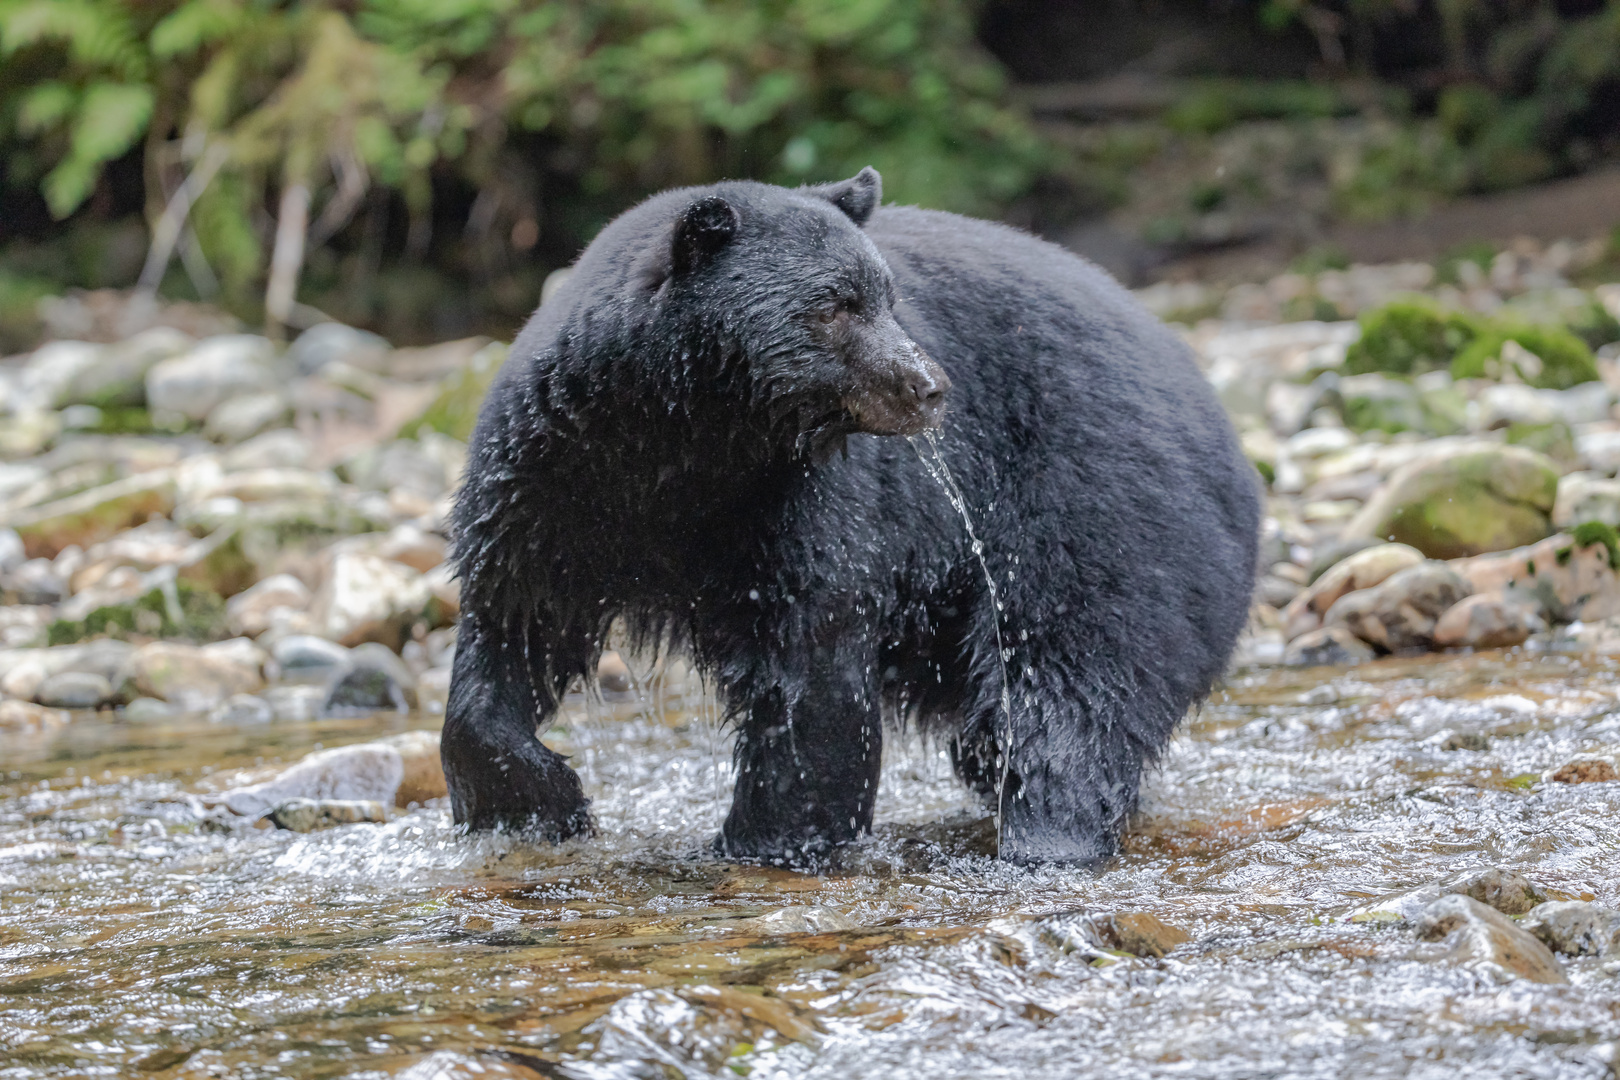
(499,773)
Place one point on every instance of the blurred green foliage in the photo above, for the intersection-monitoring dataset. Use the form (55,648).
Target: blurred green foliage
(627,96)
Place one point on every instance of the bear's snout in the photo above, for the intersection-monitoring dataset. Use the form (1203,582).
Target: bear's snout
(903,390)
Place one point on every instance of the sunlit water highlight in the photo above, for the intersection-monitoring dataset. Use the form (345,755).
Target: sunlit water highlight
(140,936)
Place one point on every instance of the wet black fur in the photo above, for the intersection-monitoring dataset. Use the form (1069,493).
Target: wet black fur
(668,446)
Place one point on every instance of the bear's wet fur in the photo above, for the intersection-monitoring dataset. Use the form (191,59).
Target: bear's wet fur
(704,434)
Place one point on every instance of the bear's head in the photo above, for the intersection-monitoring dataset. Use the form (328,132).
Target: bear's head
(805,303)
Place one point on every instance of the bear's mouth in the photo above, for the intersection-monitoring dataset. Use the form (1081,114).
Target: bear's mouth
(876,414)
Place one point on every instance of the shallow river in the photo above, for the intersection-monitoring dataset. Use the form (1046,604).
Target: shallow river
(141,935)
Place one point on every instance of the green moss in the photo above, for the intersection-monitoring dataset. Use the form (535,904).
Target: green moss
(201,617)
(1561,360)
(1266,471)
(1553,438)
(1409,337)
(1413,335)
(1597,532)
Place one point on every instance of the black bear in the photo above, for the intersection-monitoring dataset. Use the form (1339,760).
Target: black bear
(703,434)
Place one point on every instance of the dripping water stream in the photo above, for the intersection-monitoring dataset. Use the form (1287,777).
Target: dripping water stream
(940,471)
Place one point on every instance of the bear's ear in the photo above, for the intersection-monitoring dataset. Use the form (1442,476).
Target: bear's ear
(701,231)
(857,197)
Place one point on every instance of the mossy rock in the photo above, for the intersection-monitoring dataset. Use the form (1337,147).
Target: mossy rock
(1380,403)
(1557,358)
(1553,439)
(1466,500)
(185,611)
(455,410)
(1410,337)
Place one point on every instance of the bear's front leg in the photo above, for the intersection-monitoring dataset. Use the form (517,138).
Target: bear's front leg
(499,773)
(809,746)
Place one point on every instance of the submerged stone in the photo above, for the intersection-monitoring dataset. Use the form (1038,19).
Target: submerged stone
(1483,938)
(309,815)
(1575,928)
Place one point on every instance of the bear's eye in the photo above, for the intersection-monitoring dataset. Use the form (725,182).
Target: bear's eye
(834,310)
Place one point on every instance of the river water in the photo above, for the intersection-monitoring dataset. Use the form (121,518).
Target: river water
(142,934)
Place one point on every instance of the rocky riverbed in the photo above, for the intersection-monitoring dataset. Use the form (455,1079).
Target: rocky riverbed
(1384,848)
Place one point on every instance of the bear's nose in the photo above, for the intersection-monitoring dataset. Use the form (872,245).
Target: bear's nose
(928,383)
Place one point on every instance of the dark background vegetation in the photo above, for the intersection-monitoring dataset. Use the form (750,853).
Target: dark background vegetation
(459,150)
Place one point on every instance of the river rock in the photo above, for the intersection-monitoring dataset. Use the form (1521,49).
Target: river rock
(197,678)
(307,659)
(278,600)
(423,777)
(29,432)
(1481,937)
(36,581)
(295,703)
(1400,613)
(94,515)
(1514,403)
(377,680)
(12,553)
(309,815)
(1504,890)
(149,710)
(327,342)
(74,690)
(613,674)
(1329,646)
(1599,451)
(24,625)
(368,771)
(117,376)
(1567,581)
(1137,933)
(414,547)
(1488,621)
(283,448)
(368,598)
(27,718)
(1464,500)
(1575,928)
(1360,570)
(1584,770)
(241,709)
(192,384)
(404,464)
(51,369)
(800,920)
(243,416)
(24,671)
(1583,497)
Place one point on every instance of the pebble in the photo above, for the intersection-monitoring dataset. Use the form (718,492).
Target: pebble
(74,690)
(1138,933)
(305,658)
(1488,621)
(1588,770)
(613,674)
(295,704)
(35,582)
(1402,611)
(368,598)
(1575,928)
(1333,645)
(366,771)
(377,681)
(1484,938)
(275,601)
(241,709)
(310,815)
(1359,570)
(197,678)
(423,777)
(192,384)
(326,342)
(239,418)
(801,920)
(28,718)
(145,710)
